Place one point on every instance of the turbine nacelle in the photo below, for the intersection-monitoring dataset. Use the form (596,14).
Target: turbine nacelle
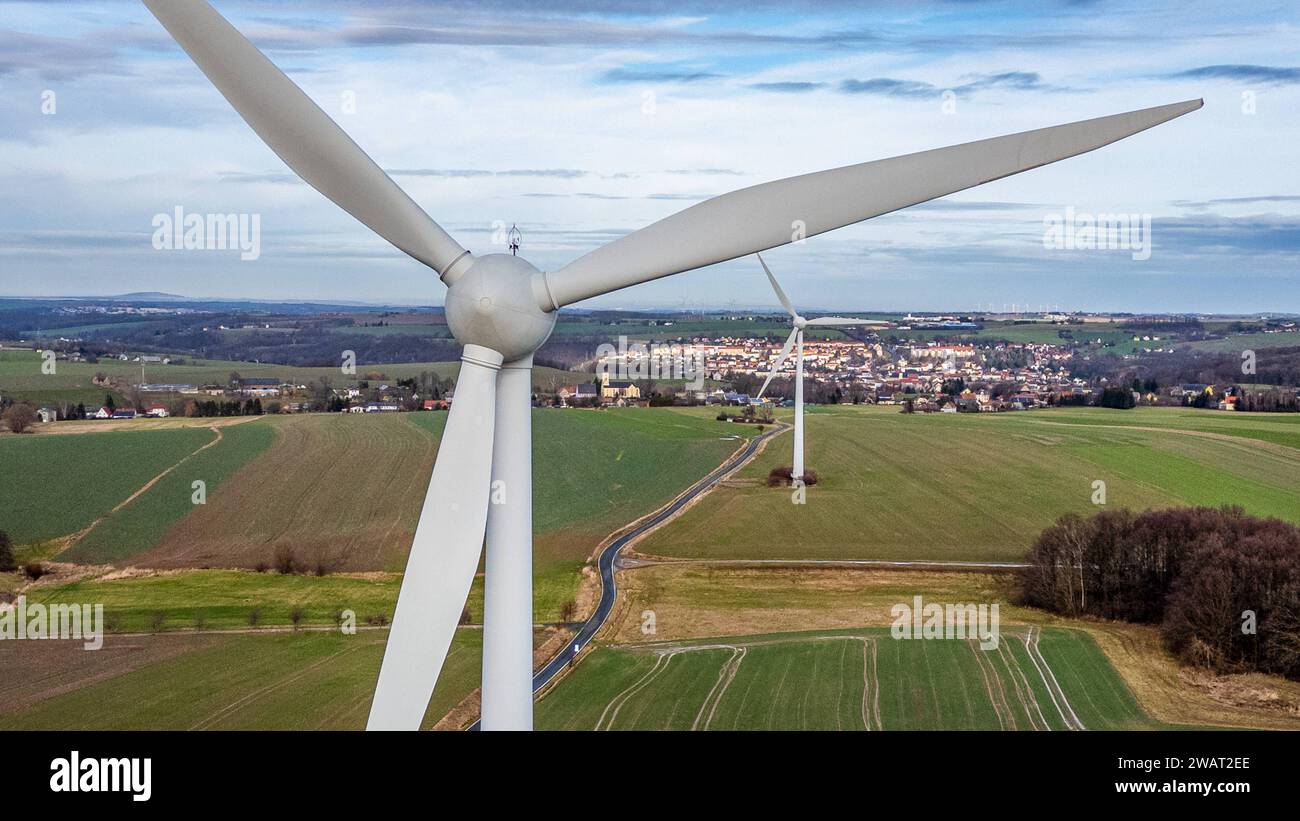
(492,305)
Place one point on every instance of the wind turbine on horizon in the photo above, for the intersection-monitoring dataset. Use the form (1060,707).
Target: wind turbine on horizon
(502,309)
(795,341)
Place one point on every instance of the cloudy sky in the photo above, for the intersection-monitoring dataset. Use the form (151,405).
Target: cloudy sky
(581,121)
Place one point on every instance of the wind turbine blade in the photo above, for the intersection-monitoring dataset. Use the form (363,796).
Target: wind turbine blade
(776,286)
(846,320)
(775,213)
(780,360)
(446,550)
(301,133)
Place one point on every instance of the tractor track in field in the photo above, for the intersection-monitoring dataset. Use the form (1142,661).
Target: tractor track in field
(726,675)
(1054,690)
(870,685)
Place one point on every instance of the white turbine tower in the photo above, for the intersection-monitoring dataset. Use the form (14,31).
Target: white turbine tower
(502,309)
(795,341)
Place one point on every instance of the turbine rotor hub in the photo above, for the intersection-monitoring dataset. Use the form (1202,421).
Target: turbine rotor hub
(492,305)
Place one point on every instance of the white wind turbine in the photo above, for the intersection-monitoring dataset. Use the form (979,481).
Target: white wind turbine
(795,341)
(502,309)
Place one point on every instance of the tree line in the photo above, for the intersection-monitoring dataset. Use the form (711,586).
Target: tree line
(1223,586)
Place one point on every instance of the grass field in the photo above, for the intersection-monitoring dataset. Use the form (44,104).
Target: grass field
(981,487)
(1235,343)
(146,519)
(285,681)
(226,599)
(54,486)
(1036,679)
(1277,428)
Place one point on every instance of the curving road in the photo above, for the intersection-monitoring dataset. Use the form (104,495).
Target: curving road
(609,556)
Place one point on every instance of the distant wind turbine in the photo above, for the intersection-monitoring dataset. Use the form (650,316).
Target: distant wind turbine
(795,340)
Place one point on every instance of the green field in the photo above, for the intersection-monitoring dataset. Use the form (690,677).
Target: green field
(1278,428)
(225,599)
(1054,679)
(981,487)
(285,681)
(52,486)
(151,515)
(1235,343)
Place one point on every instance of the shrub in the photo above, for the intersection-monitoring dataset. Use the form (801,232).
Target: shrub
(285,560)
(34,570)
(261,567)
(779,476)
(20,417)
(296,615)
(783,476)
(254,617)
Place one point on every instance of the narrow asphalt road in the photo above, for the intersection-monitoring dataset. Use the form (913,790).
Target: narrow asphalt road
(608,557)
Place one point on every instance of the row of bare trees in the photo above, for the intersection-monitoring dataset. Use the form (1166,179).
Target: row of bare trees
(1223,586)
